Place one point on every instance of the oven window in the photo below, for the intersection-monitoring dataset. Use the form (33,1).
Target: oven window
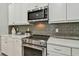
(32,52)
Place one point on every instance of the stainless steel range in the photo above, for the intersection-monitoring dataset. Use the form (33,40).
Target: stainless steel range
(35,45)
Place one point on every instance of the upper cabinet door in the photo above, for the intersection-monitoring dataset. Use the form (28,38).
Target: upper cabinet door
(57,12)
(18,14)
(72,11)
(41,4)
(11,14)
(36,5)
(15,12)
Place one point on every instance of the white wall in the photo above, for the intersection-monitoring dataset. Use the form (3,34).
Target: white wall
(3,18)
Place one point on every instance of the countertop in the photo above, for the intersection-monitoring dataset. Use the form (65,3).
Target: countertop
(72,42)
(68,37)
(63,42)
(15,36)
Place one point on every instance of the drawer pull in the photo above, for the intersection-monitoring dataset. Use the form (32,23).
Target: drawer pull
(57,49)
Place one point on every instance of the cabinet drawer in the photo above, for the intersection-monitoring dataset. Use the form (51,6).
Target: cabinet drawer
(59,49)
(50,53)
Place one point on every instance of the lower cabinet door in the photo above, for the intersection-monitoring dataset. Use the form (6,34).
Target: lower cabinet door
(17,47)
(9,47)
(75,52)
(54,54)
(4,45)
(59,49)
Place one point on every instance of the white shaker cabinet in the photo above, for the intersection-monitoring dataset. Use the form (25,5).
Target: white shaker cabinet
(73,11)
(17,47)
(11,46)
(55,54)
(57,12)
(75,52)
(4,45)
(11,14)
(17,14)
(51,49)
(3,18)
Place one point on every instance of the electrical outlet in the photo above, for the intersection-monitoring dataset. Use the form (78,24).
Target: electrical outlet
(57,30)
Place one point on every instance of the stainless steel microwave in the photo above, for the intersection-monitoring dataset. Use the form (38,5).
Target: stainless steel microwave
(39,14)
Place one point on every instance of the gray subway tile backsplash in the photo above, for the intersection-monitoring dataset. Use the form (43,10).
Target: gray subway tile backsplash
(69,29)
(66,29)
